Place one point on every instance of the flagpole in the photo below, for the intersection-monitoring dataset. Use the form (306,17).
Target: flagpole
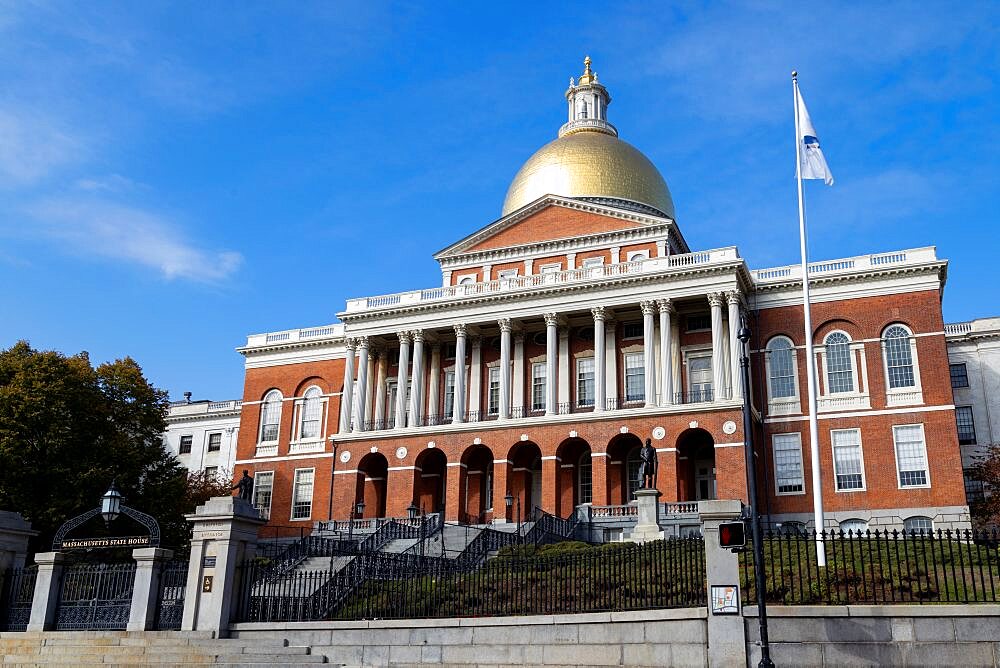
(817,478)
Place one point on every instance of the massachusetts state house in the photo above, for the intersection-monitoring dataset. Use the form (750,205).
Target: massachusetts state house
(580,323)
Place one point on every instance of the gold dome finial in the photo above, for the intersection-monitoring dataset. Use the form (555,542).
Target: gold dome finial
(587,76)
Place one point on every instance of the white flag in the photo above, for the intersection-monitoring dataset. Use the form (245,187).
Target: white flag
(813,164)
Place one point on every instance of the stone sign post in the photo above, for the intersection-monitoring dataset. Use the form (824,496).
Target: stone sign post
(224,536)
(726,635)
(146,587)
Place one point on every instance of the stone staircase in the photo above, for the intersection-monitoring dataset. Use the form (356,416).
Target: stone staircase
(136,648)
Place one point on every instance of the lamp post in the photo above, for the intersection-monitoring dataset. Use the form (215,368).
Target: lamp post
(111,504)
(758,542)
(359,511)
(413,513)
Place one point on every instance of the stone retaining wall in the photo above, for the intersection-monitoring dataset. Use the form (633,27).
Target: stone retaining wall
(646,638)
(886,635)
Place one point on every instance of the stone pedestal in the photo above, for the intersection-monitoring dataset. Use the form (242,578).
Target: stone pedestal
(726,634)
(15,532)
(146,589)
(224,536)
(47,586)
(647,527)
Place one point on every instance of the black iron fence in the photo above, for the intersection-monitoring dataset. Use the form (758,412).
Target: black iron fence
(17,588)
(662,574)
(878,567)
(95,596)
(170,600)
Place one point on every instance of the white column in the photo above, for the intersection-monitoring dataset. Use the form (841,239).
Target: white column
(517,383)
(476,378)
(359,424)
(611,351)
(648,350)
(529,267)
(570,260)
(675,354)
(433,392)
(382,370)
(564,365)
(733,300)
(666,349)
(551,357)
(661,248)
(600,361)
(369,415)
(718,367)
(417,380)
(458,410)
(616,255)
(505,330)
(446,278)
(347,396)
(402,376)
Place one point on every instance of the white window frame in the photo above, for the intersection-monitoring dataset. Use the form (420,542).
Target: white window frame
(314,444)
(269,447)
(918,532)
(625,370)
(593,381)
(466,279)
(783,405)
(895,451)
(698,353)
(774,456)
(266,475)
(585,462)
(855,399)
(180,443)
(850,356)
(903,396)
(208,442)
(854,532)
(535,367)
(491,408)
(295,492)
(861,460)
(636,255)
(446,410)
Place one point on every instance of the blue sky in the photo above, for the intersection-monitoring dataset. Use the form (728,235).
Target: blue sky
(175,176)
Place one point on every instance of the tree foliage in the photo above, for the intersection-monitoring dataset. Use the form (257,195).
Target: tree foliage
(68,429)
(986,512)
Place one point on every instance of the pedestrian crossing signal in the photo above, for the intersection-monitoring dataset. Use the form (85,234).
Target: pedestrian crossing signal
(732,534)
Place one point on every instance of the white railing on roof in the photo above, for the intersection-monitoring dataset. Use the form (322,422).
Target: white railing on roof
(846,265)
(294,335)
(958,328)
(535,281)
(215,406)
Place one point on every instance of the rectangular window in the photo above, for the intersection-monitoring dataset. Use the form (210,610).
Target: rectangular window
(302,494)
(966,425)
(975,490)
(449,393)
(448,350)
(848,467)
(699,369)
(262,489)
(699,322)
(185,447)
(211,471)
(493,406)
(312,414)
(632,330)
(911,455)
(635,377)
(538,386)
(215,442)
(959,375)
(788,463)
(585,382)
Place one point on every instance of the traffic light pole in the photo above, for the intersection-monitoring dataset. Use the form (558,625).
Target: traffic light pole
(758,540)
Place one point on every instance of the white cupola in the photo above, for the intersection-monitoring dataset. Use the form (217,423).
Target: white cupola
(588,104)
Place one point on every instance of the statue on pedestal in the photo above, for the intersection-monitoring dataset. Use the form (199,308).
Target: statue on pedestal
(647,466)
(245,485)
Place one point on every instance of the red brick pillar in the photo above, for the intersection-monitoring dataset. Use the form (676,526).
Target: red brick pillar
(454,499)
(399,492)
(599,479)
(564,474)
(731,474)
(666,475)
(550,489)
(500,489)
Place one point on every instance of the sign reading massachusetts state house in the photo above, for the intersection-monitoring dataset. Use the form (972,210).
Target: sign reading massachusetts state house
(110,541)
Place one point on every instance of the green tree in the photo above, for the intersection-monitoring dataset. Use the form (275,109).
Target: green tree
(68,429)
(986,512)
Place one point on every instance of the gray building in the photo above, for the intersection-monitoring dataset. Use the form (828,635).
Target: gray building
(202,434)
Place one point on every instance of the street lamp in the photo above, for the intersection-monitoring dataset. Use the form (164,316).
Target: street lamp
(413,513)
(111,504)
(758,542)
(509,500)
(359,511)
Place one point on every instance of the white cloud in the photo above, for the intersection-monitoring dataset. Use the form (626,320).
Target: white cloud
(32,147)
(112,183)
(118,232)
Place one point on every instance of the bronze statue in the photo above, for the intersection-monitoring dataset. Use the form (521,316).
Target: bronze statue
(245,485)
(647,466)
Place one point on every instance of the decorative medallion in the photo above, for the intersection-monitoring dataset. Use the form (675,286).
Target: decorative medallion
(624,430)
(729,427)
(693,424)
(573,434)
(659,433)
(400,453)
(345,456)
(431,444)
(374,449)
(477,441)
(524,437)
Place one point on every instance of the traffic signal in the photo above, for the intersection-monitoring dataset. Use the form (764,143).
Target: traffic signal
(732,534)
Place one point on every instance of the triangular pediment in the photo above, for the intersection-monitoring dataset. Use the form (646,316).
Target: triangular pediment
(550,218)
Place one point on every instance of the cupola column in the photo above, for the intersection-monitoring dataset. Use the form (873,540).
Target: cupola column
(718,354)
(417,380)
(733,300)
(666,345)
(505,330)
(600,361)
(649,350)
(458,407)
(359,423)
(401,379)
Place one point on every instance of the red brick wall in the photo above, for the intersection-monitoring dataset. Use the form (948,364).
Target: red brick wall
(554,222)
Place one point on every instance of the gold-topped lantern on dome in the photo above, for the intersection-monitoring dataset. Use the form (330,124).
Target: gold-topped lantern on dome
(588,160)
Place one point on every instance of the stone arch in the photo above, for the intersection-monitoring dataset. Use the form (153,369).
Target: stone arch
(525,479)
(695,465)
(430,480)
(623,471)
(574,480)
(373,471)
(308,382)
(476,485)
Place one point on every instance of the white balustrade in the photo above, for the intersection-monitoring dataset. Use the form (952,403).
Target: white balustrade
(847,265)
(295,335)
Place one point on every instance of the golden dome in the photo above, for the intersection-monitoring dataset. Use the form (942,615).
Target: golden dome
(589,164)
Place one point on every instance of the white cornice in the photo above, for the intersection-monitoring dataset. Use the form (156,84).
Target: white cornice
(891,280)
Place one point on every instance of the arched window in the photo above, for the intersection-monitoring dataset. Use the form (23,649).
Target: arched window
(898,356)
(585,483)
(792,528)
(311,414)
(635,256)
(853,527)
(270,416)
(839,368)
(918,524)
(781,367)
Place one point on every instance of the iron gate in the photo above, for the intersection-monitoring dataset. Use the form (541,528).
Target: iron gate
(15,597)
(95,597)
(170,601)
